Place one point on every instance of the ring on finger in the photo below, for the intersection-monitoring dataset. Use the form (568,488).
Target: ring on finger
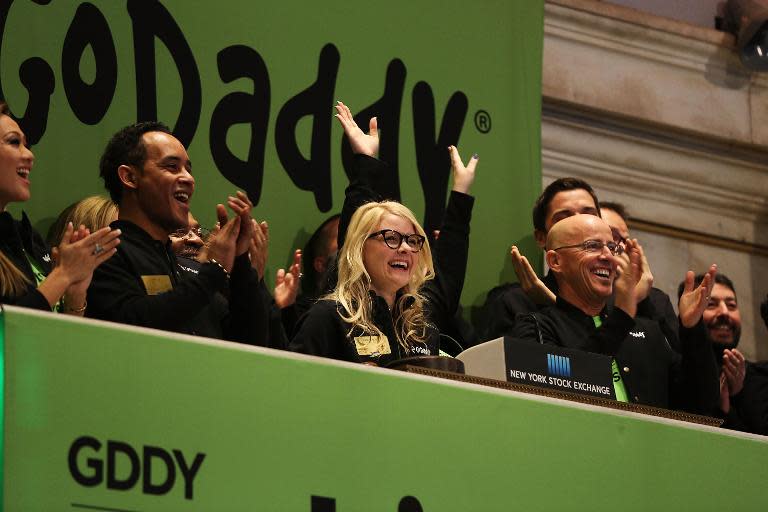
(98,249)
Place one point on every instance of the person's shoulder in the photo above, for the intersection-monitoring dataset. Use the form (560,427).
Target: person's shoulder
(323,308)
(504,291)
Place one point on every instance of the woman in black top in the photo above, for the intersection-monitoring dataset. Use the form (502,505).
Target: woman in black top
(26,275)
(391,298)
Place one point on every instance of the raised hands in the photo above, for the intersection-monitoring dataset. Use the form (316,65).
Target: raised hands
(629,271)
(463,175)
(222,243)
(241,206)
(694,301)
(259,247)
(734,370)
(287,283)
(361,143)
(731,377)
(79,253)
(645,279)
(533,287)
(76,257)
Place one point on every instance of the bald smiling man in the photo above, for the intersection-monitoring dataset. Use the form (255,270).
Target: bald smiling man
(589,267)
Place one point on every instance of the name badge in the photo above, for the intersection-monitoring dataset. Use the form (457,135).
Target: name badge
(156,285)
(372,346)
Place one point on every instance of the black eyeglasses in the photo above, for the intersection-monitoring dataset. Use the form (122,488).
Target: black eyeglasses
(186,233)
(594,246)
(394,239)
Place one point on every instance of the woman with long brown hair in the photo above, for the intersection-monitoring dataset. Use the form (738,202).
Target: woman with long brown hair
(27,276)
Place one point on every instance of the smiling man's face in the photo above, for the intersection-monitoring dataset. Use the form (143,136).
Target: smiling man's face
(722,316)
(165,183)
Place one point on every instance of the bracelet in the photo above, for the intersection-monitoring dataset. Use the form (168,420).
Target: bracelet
(226,272)
(78,310)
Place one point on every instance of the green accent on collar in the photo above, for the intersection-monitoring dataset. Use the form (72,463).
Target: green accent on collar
(618,383)
(598,321)
(40,277)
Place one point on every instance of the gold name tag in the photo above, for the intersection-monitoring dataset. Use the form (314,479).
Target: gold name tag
(372,345)
(156,285)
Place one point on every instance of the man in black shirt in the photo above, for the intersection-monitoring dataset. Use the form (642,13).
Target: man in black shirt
(588,269)
(148,174)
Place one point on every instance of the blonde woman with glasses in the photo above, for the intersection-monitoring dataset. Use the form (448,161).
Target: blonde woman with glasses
(391,296)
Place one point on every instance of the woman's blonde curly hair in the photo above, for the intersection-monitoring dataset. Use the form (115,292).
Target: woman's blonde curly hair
(354,282)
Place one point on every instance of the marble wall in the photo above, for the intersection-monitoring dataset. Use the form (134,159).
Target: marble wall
(659,115)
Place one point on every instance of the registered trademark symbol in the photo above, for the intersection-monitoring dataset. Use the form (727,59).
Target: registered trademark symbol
(482,121)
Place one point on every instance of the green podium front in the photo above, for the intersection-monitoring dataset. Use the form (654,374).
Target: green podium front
(99,416)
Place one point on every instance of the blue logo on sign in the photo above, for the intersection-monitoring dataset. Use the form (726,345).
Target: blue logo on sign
(559,365)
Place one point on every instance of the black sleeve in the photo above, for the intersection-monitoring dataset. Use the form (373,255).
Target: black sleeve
(443,293)
(658,308)
(370,175)
(248,319)
(501,309)
(607,339)
(533,327)
(319,332)
(31,299)
(695,385)
(750,406)
(118,295)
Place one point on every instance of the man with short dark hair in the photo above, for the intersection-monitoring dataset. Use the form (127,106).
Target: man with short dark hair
(319,254)
(584,260)
(656,305)
(743,384)
(148,173)
(561,199)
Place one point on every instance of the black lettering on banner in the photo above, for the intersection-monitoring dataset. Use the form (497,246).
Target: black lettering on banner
(96,465)
(150,19)
(89,102)
(409,504)
(113,448)
(188,472)
(314,173)
(322,504)
(238,107)
(389,125)
(154,452)
(432,158)
(37,77)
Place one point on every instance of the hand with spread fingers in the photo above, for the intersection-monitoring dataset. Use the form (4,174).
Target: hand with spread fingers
(360,142)
(694,301)
(645,284)
(259,247)
(533,287)
(287,283)
(629,272)
(734,369)
(463,175)
(76,257)
(241,206)
(222,242)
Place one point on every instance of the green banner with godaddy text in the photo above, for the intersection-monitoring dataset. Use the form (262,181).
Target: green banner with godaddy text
(99,416)
(249,88)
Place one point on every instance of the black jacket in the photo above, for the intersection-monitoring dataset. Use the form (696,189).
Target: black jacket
(505,302)
(653,373)
(203,304)
(749,408)
(16,239)
(322,332)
